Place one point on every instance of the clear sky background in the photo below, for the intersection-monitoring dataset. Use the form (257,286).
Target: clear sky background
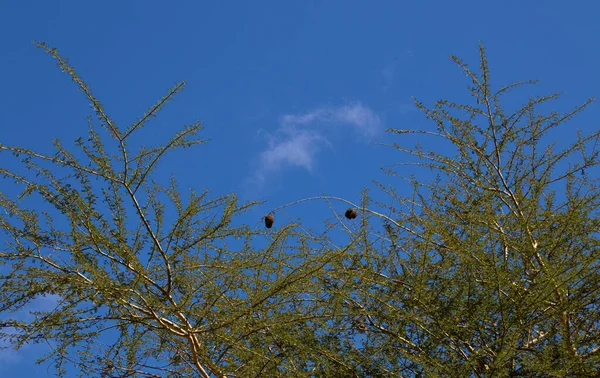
(295,95)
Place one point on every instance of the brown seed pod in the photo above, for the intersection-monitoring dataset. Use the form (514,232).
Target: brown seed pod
(269,219)
(351,213)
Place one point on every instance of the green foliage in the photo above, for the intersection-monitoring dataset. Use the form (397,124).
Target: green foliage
(147,282)
(495,269)
(490,269)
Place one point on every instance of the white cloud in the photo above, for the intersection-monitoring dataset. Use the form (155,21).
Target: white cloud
(297,148)
(356,115)
(359,116)
(300,137)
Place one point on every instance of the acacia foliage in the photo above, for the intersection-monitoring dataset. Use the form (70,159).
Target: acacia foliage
(490,269)
(148,282)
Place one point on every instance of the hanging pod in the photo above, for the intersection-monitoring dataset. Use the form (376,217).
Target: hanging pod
(269,219)
(351,213)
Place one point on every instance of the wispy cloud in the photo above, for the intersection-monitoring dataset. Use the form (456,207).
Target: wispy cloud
(295,148)
(300,137)
(355,115)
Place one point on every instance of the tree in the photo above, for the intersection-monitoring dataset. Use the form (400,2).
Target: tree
(147,282)
(493,268)
(490,269)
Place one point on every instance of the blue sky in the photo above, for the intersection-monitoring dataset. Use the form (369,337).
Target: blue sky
(295,96)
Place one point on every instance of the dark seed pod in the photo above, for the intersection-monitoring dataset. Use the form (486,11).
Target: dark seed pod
(351,213)
(269,219)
